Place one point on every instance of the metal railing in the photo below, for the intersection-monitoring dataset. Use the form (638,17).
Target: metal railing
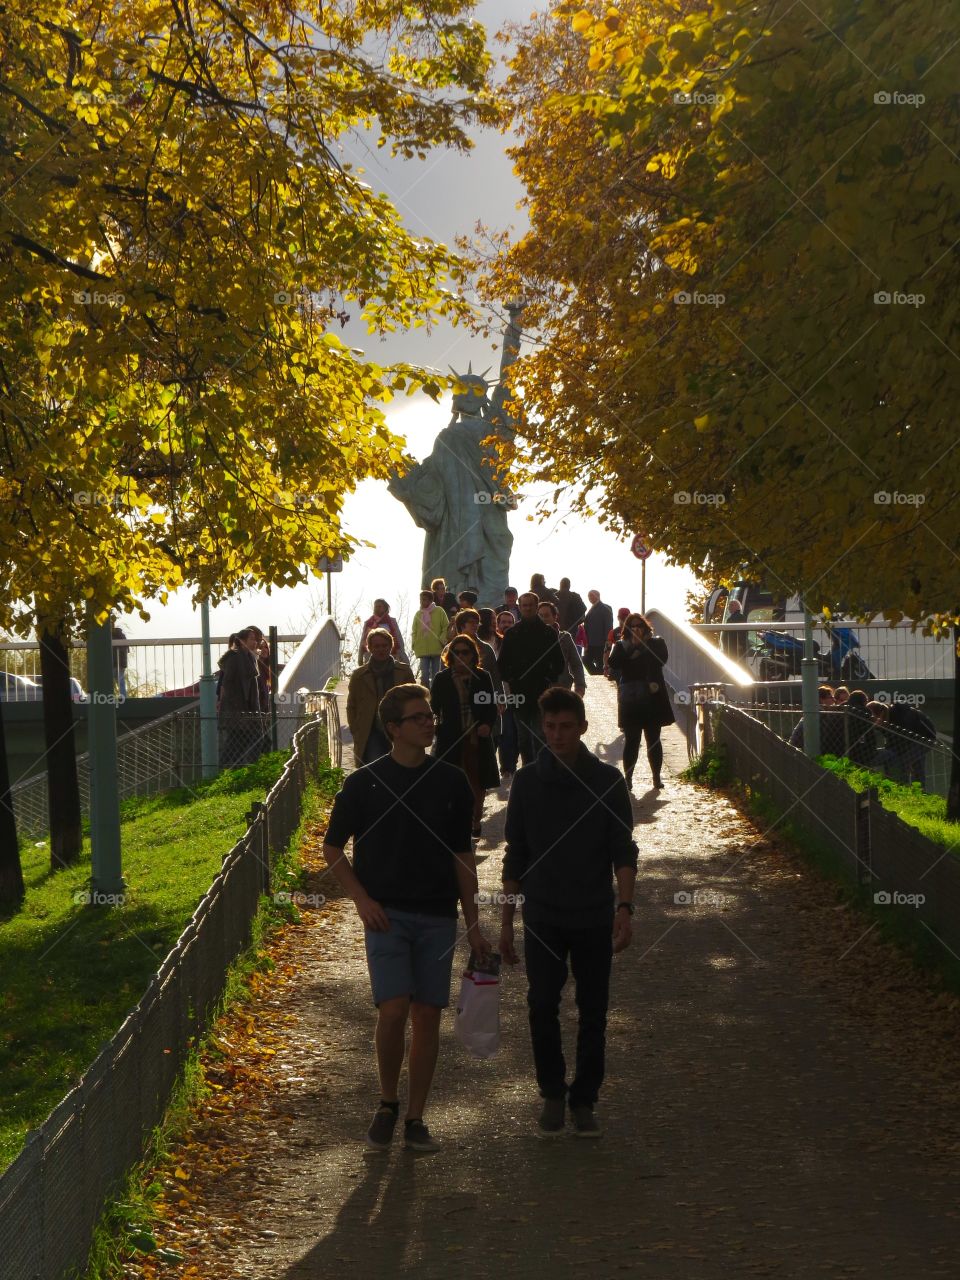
(887,653)
(153,667)
(52,1195)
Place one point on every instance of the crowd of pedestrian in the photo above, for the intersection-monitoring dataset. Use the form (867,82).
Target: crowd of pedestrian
(894,738)
(497,686)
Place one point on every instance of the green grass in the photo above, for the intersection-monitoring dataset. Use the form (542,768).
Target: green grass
(926,812)
(70,973)
(709,768)
(128,1222)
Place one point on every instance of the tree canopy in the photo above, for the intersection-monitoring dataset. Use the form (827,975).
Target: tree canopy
(743,262)
(180,238)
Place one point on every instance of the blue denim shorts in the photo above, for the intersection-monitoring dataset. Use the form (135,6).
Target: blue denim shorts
(413,958)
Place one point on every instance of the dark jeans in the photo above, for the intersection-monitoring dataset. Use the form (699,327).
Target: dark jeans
(529,730)
(905,764)
(507,746)
(546,951)
(594,659)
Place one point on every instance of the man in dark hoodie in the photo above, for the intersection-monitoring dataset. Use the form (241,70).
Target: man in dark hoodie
(530,660)
(569,833)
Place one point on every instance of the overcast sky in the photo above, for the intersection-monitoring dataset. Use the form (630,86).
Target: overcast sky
(442,197)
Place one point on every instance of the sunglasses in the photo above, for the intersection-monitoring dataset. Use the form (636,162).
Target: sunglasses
(462,653)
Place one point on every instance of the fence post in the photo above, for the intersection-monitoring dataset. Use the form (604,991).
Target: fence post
(258,844)
(864,867)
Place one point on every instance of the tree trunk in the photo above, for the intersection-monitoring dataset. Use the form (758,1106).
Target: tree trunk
(953,794)
(63,788)
(11,873)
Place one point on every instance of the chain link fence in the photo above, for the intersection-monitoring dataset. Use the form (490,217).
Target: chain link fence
(166,753)
(53,1193)
(892,862)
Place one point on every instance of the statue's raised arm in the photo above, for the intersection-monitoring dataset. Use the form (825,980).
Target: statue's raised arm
(498,414)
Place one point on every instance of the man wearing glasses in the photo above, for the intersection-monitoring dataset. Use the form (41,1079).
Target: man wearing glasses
(410,817)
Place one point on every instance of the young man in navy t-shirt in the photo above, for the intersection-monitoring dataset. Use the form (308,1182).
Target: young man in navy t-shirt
(410,817)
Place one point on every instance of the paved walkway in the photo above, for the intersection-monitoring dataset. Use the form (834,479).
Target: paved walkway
(781,1096)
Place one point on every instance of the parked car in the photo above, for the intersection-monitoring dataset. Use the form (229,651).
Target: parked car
(189,691)
(77,692)
(19,688)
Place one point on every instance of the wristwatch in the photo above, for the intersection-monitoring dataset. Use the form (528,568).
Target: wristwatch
(627,906)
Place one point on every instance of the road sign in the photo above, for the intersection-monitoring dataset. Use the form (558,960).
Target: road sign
(640,547)
(326,564)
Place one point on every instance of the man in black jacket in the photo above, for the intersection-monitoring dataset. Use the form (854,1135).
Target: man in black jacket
(530,660)
(569,832)
(598,624)
(571,608)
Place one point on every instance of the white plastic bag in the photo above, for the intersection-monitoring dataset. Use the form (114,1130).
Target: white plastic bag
(478,1014)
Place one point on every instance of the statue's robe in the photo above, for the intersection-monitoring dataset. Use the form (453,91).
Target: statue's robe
(460,501)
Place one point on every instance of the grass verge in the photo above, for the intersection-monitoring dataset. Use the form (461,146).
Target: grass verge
(926,812)
(127,1223)
(72,972)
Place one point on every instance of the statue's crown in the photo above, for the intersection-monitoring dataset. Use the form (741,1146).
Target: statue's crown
(471,378)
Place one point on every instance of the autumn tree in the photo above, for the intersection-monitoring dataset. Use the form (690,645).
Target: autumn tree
(742,258)
(181,237)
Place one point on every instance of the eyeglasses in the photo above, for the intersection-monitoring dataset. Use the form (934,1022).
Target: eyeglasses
(419,717)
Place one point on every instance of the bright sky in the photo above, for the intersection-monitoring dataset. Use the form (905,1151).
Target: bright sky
(443,196)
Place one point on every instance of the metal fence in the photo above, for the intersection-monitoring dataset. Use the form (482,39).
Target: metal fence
(155,757)
(903,757)
(890,860)
(166,753)
(53,1193)
(153,667)
(883,653)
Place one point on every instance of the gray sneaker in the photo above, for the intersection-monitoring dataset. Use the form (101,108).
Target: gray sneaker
(585,1124)
(417,1137)
(550,1124)
(380,1132)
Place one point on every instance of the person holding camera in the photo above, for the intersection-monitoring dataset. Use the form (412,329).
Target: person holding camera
(464,702)
(643,705)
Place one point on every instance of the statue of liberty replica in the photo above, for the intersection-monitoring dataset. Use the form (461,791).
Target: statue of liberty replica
(458,495)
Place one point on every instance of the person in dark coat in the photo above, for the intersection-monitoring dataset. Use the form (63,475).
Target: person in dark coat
(538,585)
(444,598)
(530,661)
(859,738)
(597,624)
(570,606)
(464,702)
(643,705)
(909,736)
(238,711)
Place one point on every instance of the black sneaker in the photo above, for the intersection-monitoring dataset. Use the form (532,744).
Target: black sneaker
(585,1124)
(380,1132)
(550,1124)
(417,1137)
